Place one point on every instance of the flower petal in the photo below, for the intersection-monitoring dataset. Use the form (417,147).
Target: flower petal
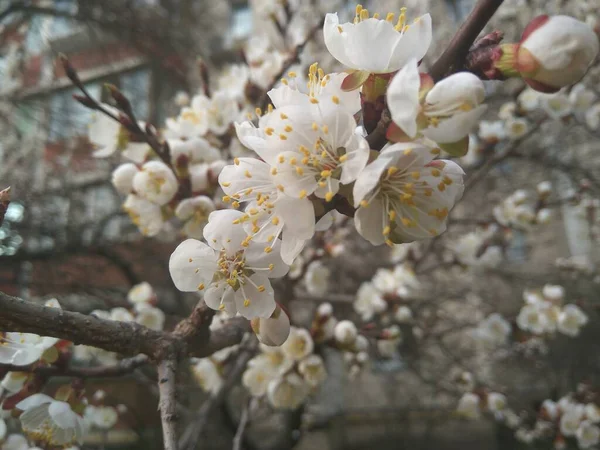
(403,98)
(193,262)
(255,298)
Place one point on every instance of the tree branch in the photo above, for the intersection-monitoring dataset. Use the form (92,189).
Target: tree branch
(123,367)
(167,371)
(454,56)
(126,338)
(239,434)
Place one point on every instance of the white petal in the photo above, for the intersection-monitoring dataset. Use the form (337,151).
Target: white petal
(221,233)
(290,247)
(257,257)
(403,98)
(454,91)
(456,127)
(414,43)
(369,221)
(192,263)
(33,401)
(370,34)
(62,414)
(298,216)
(358,151)
(336,41)
(260,304)
(369,178)
(218,294)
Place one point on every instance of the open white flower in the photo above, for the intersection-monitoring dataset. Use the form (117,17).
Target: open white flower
(495,329)
(571,319)
(587,434)
(256,379)
(155,182)
(207,375)
(270,214)
(534,318)
(467,249)
(313,370)
(372,45)
(223,111)
(103,417)
(405,195)
(317,278)
(469,406)
(496,402)
(192,121)
(323,90)
(194,212)
(233,80)
(298,345)
(147,216)
(233,271)
(194,150)
(22,349)
(448,111)
(50,421)
(369,302)
(150,317)
(516,127)
(570,421)
(288,392)
(141,293)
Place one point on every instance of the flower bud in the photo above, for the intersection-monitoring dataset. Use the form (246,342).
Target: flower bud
(345,332)
(555,52)
(122,177)
(273,331)
(324,310)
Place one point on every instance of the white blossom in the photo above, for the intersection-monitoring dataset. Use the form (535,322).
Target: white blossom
(22,349)
(122,177)
(352,44)
(288,392)
(141,293)
(317,278)
(570,421)
(313,370)
(558,51)
(194,213)
(298,345)
(50,420)
(272,331)
(405,195)
(495,329)
(587,434)
(496,402)
(469,406)
(450,109)
(155,182)
(368,302)
(232,270)
(207,375)
(147,216)
(571,319)
(150,317)
(345,332)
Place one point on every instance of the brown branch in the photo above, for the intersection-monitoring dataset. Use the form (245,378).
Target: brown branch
(454,56)
(123,367)
(167,371)
(126,338)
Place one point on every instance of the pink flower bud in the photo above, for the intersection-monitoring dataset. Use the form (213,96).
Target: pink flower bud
(555,52)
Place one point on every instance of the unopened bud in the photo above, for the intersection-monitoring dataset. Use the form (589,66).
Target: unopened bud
(555,52)
(345,332)
(324,310)
(120,99)
(273,331)
(69,70)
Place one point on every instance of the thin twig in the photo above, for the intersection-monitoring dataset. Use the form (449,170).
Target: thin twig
(167,371)
(455,54)
(123,367)
(239,434)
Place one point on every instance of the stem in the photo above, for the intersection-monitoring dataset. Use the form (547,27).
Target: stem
(453,58)
(239,434)
(167,370)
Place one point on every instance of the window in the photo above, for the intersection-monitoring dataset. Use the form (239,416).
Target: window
(67,117)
